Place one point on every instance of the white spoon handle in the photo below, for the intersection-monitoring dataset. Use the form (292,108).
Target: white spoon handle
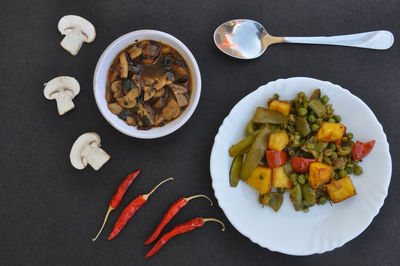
(380,40)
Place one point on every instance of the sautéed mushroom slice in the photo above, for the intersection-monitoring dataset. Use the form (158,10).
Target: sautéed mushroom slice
(169,112)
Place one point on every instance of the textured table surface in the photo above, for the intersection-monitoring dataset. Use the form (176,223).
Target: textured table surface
(49,210)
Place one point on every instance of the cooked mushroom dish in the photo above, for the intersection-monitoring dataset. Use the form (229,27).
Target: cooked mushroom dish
(148,84)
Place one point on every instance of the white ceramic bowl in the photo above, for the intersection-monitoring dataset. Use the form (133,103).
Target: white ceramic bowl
(105,61)
(325,227)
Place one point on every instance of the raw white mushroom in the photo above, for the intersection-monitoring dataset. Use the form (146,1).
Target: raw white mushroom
(76,30)
(86,150)
(63,89)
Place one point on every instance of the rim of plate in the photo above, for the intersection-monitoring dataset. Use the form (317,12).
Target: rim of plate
(316,250)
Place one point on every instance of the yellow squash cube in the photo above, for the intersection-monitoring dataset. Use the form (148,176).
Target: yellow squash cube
(339,190)
(278,140)
(260,179)
(330,132)
(280,106)
(280,178)
(319,174)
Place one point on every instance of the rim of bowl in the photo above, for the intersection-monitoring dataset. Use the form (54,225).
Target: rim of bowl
(176,123)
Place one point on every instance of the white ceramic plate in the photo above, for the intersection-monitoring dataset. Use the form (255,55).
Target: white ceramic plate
(325,227)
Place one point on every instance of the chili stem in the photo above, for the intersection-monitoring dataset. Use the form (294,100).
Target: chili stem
(214,220)
(146,196)
(104,223)
(199,196)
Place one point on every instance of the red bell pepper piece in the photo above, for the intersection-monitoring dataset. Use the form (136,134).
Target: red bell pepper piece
(360,149)
(301,165)
(276,158)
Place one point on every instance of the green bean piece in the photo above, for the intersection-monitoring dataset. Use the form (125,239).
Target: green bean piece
(263,115)
(302,111)
(331,120)
(325,99)
(342,173)
(312,118)
(338,118)
(327,160)
(234,173)
(309,194)
(287,167)
(349,135)
(322,200)
(293,179)
(329,109)
(276,96)
(296,196)
(317,107)
(301,179)
(256,153)
(302,126)
(314,127)
(310,146)
(249,128)
(316,95)
(357,170)
(272,199)
(343,151)
(235,149)
(328,152)
(332,146)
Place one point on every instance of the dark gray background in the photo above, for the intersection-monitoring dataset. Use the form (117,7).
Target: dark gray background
(49,210)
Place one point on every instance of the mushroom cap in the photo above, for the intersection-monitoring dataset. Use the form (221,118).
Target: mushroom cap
(69,84)
(72,22)
(89,138)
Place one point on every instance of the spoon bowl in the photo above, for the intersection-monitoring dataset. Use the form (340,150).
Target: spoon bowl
(248,39)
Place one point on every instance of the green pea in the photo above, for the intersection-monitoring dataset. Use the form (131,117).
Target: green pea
(325,99)
(281,190)
(338,118)
(312,118)
(292,153)
(350,165)
(322,200)
(345,139)
(297,137)
(349,170)
(331,120)
(319,121)
(357,170)
(335,175)
(305,103)
(334,156)
(332,146)
(276,96)
(301,179)
(349,135)
(314,127)
(302,111)
(342,173)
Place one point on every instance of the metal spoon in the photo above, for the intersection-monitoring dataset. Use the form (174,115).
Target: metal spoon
(248,39)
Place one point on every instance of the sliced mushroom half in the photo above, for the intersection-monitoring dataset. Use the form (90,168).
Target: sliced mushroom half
(77,30)
(63,89)
(129,100)
(86,150)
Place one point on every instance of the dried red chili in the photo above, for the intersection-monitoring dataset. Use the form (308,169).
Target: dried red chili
(175,208)
(131,209)
(181,229)
(117,197)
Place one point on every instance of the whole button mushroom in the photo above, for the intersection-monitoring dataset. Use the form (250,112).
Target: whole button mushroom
(76,30)
(86,150)
(63,89)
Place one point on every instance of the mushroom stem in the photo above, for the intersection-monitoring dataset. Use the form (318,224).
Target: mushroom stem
(64,102)
(72,42)
(95,156)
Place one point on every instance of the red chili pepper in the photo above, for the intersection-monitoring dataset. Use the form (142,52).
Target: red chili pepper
(300,164)
(175,208)
(275,158)
(117,197)
(360,149)
(181,229)
(131,209)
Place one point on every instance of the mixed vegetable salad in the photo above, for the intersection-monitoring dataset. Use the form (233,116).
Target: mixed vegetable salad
(298,146)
